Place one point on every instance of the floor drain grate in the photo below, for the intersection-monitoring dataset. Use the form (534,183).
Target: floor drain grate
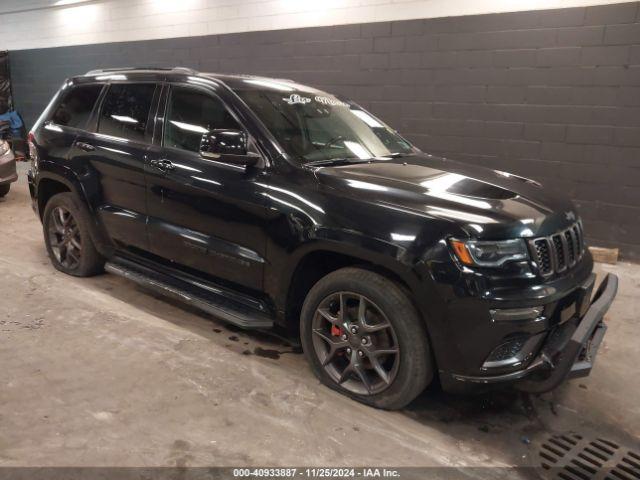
(572,457)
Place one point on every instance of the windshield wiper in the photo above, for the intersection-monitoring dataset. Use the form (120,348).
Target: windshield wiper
(337,161)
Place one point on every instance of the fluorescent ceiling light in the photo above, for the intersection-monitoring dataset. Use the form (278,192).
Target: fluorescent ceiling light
(53,128)
(437,187)
(189,127)
(366,185)
(452,197)
(80,16)
(115,150)
(294,195)
(357,149)
(401,237)
(124,119)
(441,183)
(111,77)
(283,87)
(207,180)
(459,215)
(202,81)
(60,3)
(366,118)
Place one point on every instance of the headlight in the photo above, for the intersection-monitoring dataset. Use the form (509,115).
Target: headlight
(4,147)
(489,254)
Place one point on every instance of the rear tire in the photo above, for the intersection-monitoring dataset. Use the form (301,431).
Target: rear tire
(67,238)
(351,347)
(4,189)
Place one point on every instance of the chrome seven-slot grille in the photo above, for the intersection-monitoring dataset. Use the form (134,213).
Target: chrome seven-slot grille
(558,252)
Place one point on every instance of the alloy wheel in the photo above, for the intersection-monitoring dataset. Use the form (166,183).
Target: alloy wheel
(64,238)
(355,343)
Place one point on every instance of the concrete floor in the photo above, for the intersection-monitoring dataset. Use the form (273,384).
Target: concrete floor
(97,372)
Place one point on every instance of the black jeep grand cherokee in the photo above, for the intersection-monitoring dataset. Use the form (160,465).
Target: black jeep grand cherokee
(269,203)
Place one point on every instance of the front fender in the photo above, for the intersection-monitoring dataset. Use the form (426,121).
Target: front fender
(400,263)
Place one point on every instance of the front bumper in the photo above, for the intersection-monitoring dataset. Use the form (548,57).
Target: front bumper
(8,172)
(569,350)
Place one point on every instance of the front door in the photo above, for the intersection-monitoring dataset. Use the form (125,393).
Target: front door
(205,216)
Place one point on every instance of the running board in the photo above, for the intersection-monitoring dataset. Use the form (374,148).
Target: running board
(213,303)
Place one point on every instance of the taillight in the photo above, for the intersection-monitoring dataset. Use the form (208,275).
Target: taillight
(33,151)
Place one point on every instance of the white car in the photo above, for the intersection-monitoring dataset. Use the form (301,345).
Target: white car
(8,173)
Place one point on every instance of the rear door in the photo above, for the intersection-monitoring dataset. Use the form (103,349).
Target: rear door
(68,114)
(204,215)
(114,155)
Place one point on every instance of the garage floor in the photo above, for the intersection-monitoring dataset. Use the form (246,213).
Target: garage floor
(97,372)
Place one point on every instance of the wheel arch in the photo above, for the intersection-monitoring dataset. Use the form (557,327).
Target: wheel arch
(51,182)
(313,264)
(47,188)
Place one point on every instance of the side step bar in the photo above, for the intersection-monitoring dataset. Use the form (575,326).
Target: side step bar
(215,304)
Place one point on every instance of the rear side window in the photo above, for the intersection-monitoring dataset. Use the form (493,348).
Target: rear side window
(125,111)
(75,107)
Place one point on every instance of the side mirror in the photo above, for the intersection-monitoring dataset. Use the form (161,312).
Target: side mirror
(227,145)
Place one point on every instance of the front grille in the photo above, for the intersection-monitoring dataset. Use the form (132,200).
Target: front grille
(542,255)
(561,255)
(558,252)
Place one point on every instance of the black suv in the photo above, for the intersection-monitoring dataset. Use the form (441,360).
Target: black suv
(271,204)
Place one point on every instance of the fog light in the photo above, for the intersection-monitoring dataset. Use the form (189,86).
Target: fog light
(513,351)
(505,351)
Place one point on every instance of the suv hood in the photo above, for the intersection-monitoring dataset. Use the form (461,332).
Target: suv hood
(486,203)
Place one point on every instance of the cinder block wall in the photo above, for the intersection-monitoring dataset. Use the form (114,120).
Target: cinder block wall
(553,95)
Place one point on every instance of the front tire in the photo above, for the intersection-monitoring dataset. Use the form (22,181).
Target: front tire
(4,189)
(66,234)
(364,338)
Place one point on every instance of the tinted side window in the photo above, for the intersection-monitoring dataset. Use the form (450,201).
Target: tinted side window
(76,105)
(125,111)
(190,114)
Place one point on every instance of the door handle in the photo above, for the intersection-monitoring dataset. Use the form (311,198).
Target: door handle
(164,165)
(87,147)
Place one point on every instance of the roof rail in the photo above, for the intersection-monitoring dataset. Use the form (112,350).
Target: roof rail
(99,71)
(249,75)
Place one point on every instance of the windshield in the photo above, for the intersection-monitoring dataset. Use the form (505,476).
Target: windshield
(314,126)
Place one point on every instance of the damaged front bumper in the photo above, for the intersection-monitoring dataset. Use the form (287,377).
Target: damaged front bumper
(570,349)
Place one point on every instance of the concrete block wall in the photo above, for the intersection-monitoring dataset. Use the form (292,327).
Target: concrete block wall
(53,23)
(553,95)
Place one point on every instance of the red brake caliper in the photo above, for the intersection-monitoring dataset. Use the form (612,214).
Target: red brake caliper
(336,332)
